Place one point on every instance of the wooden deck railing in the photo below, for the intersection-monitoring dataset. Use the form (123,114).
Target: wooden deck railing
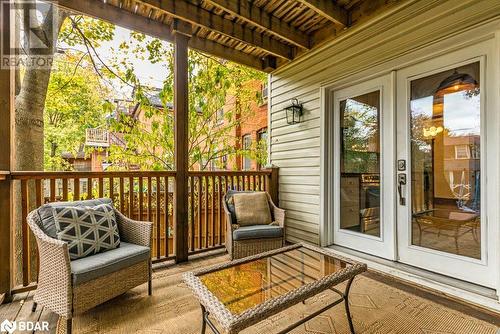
(207,225)
(140,195)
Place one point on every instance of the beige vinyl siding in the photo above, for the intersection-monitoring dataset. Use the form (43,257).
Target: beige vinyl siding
(382,44)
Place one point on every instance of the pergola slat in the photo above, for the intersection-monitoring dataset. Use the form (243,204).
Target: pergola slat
(199,16)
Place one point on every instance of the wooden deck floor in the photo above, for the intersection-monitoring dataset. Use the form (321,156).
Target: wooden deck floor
(379,305)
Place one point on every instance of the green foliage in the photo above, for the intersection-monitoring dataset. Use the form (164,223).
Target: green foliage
(94,30)
(213,83)
(74,103)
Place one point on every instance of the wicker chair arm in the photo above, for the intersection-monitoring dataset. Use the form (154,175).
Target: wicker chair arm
(54,288)
(278,214)
(134,231)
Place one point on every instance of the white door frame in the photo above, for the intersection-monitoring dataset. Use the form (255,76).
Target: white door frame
(481,271)
(385,245)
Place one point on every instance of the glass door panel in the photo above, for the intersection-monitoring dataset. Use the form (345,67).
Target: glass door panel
(363,169)
(445,161)
(360,163)
(447,132)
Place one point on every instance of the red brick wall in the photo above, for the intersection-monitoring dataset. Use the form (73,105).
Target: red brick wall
(251,125)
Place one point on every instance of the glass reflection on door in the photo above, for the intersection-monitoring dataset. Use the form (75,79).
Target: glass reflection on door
(445,161)
(360,164)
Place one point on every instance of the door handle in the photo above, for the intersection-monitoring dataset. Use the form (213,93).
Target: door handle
(401,183)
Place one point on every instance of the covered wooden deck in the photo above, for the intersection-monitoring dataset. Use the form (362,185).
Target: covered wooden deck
(379,304)
(264,34)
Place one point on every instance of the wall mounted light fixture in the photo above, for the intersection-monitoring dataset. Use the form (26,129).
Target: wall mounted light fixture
(294,112)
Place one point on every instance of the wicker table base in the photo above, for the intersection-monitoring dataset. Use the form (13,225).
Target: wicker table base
(344,297)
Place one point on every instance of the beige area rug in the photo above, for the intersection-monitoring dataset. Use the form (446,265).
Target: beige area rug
(377,306)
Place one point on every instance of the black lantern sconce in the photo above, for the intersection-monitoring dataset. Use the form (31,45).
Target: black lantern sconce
(294,112)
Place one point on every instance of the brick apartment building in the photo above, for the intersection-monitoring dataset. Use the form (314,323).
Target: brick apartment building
(251,131)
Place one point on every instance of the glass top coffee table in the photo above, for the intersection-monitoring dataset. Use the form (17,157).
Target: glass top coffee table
(244,292)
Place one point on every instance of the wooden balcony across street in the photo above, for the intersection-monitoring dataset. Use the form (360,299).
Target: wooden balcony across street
(140,195)
(97,137)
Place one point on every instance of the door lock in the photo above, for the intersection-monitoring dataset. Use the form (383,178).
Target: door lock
(401,183)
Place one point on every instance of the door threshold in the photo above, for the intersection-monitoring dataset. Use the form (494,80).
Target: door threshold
(452,287)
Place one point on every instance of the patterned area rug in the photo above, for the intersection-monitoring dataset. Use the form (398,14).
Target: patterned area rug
(377,306)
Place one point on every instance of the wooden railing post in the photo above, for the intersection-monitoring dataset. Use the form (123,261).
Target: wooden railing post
(181,113)
(273,182)
(6,113)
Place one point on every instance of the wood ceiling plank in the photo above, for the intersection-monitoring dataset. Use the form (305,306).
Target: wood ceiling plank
(199,16)
(263,20)
(328,9)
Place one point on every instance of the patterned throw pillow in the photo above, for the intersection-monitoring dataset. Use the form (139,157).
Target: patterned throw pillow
(87,230)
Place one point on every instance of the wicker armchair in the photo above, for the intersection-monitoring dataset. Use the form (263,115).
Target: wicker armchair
(243,247)
(58,289)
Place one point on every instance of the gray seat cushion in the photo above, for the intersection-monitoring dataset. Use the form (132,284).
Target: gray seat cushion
(94,266)
(257,231)
(47,217)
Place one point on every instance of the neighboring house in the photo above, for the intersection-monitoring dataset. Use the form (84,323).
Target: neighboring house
(98,140)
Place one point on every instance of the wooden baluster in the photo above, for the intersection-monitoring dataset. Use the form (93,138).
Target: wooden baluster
(24,229)
(38,203)
(158,220)
(213,210)
(205,215)
(111,189)
(224,191)
(76,189)
(166,220)
(149,200)
(101,187)
(131,197)
(65,189)
(38,195)
(122,195)
(52,190)
(141,200)
(191,188)
(199,213)
(219,208)
(90,187)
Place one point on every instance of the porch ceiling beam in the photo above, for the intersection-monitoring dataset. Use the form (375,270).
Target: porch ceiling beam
(258,17)
(198,16)
(142,24)
(328,9)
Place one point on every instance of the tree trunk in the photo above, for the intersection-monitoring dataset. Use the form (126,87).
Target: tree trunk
(28,135)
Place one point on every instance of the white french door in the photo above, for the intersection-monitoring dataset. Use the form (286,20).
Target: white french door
(363,156)
(446,147)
